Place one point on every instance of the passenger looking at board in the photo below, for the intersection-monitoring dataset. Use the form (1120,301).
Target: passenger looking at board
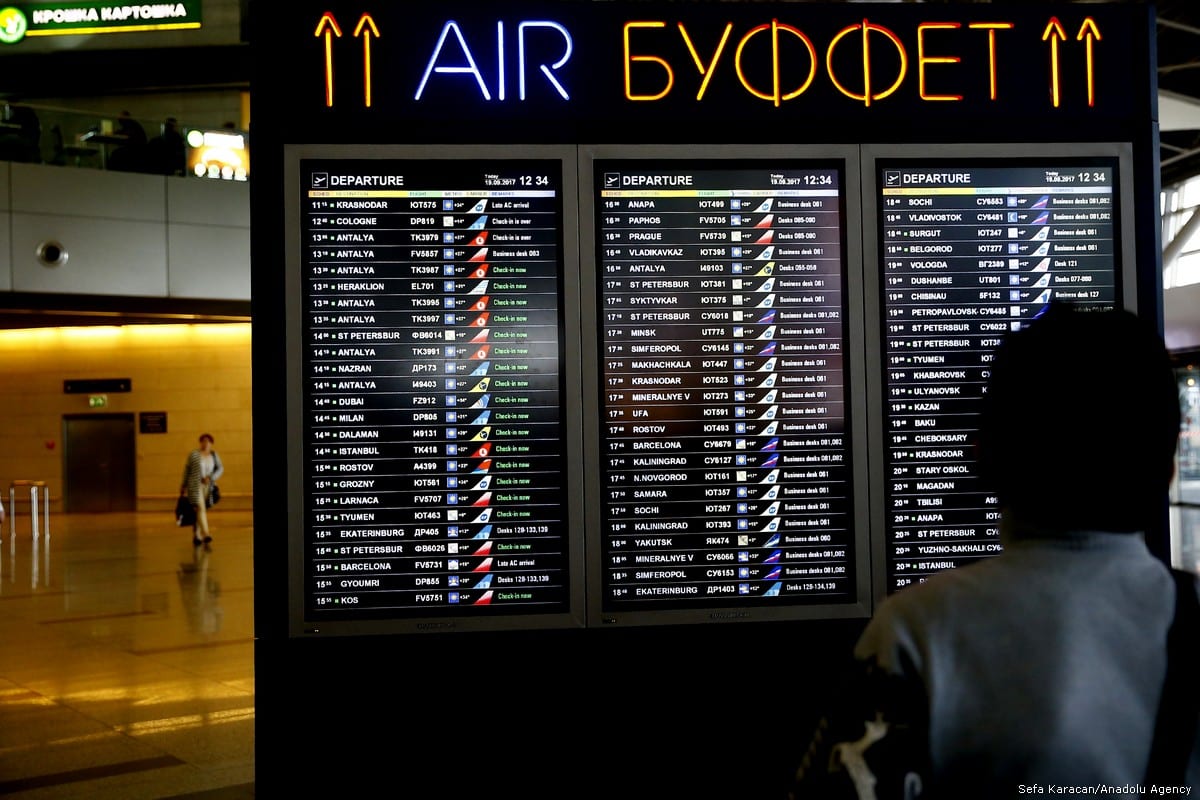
(1046,665)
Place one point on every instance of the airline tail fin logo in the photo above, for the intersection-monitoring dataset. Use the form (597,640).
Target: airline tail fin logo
(485,599)
(767,318)
(766,302)
(484,533)
(481,370)
(478,224)
(480,272)
(484,583)
(481,336)
(485,499)
(1044,297)
(479,207)
(480,321)
(480,240)
(1041,201)
(1042,266)
(768,333)
(484,566)
(482,452)
(1044,249)
(483,467)
(767,237)
(767,253)
(768,349)
(482,385)
(767,269)
(484,516)
(766,286)
(771,429)
(480,255)
(482,402)
(481,352)
(480,288)
(768,367)
(482,419)
(768,381)
(483,484)
(765,205)
(769,397)
(772,476)
(769,413)
(483,434)
(483,550)
(1042,218)
(766,221)
(771,462)
(1041,235)
(1041,282)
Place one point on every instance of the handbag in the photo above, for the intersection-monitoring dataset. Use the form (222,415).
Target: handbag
(185,515)
(214,496)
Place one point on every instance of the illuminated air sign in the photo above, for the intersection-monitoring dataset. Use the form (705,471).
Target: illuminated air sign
(598,59)
(91,16)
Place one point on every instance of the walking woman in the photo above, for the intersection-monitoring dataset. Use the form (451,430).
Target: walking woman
(200,474)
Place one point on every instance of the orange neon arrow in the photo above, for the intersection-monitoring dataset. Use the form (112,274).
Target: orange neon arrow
(1089,33)
(329,27)
(366,29)
(1055,33)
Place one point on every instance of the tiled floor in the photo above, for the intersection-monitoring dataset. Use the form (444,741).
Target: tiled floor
(126,659)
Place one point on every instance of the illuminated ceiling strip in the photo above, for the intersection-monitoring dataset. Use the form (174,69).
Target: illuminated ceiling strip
(167,26)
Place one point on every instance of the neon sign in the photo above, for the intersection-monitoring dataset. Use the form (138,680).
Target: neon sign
(436,65)
(866,61)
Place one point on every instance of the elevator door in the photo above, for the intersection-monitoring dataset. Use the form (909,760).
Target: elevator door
(98,468)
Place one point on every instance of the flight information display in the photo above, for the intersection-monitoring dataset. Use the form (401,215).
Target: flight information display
(971,250)
(724,444)
(432,368)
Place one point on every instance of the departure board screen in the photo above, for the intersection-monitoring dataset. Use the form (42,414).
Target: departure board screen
(435,470)
(970,250)
(723,446)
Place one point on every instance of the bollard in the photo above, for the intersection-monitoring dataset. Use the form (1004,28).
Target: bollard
(35,489)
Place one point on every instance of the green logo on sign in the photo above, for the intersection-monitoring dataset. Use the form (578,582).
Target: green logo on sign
(12,25)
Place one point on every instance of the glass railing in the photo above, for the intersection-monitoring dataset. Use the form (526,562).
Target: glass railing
(70,138)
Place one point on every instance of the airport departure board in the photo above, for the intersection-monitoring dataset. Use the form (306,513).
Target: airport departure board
(433,389)
(970,250)
(723,447)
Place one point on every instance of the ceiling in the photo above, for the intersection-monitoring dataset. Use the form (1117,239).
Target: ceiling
(1179,82)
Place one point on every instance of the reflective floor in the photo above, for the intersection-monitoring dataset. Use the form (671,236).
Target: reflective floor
(126,659)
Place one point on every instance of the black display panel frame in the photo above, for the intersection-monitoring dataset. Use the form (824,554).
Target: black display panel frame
(876,159)
(568,612)
(843,158)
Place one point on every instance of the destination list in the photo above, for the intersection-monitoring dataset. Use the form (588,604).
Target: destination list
(434,456)
(724,438)
(969,254)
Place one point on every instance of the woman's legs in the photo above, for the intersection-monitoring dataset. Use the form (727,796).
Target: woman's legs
(200,529)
